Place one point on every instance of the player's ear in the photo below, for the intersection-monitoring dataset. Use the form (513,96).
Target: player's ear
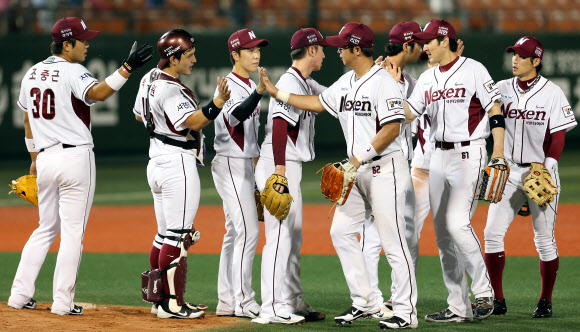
(235,55)
(536,62)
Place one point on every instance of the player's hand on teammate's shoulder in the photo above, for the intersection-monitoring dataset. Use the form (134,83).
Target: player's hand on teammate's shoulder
(138,56)
(379,61)
(261,86)
(223,91)
(390,66)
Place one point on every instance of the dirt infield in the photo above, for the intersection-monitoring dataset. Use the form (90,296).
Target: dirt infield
(103,318)
(130,229)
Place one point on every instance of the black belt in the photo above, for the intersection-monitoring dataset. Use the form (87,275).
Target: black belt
(64,146)
(449,145)
(525,165)
(187,145)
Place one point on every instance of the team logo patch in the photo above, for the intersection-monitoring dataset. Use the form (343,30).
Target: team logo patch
(312,39)
(355,39)
(567,111)
(395,104)
(86,76)
(538,52)
(443,31)
(489,86)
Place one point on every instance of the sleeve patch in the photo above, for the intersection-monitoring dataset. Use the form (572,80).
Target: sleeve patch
(568,111)
(86,76)
(395,104)
(489,86)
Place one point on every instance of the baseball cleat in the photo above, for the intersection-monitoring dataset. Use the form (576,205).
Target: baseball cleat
(446,316)
(351,315)
(483,307)
(253,312)
(499,307)
(76,311)
(395,323)
(154,309)
(384,313)
(28,305)
(291,319)
(544,309)
(311,315)
(185,312)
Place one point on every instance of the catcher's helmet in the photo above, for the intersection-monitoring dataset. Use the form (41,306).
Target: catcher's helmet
(173,41)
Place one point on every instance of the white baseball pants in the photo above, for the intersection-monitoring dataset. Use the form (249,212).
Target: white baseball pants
(66,187)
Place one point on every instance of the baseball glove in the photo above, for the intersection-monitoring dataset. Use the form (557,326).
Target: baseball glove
(337,181)
(494,179)
(539,186)
(25,187)
(277,202)
(259,206)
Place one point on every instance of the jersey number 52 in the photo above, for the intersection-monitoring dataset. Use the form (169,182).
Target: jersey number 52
(43,100)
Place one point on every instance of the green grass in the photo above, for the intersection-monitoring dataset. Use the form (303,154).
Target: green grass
(115,279)
(122,183)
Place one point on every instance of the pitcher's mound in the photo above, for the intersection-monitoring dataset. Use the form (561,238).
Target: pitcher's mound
(106,317)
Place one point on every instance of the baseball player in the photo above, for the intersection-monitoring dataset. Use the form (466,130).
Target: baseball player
(56,95)
(456,95)
(401,49)
(236,146)
(538,115)
(171,113)
(369,103)
(288,143)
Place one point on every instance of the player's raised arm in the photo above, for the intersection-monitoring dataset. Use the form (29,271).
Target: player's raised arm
(310,103)
(106,88)
(205,115)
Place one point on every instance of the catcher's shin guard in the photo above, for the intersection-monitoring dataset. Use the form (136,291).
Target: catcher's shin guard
(176,271)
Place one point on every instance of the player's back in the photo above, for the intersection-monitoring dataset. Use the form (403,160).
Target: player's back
(53,92)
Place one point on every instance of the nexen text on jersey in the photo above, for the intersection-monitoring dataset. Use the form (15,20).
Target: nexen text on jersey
(354,105)
(431,96)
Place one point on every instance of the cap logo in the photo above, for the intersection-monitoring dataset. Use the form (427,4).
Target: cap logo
(341,29)
(170,50)
(251,34)
(84,25)
(66,32)
(235,43)
(538,51)
(312,39)
(443,31)
(355,40)
(408,35)
(522,41)
(426,25)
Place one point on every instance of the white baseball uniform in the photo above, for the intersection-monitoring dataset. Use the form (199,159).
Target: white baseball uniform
(369,240)
(282,292)
(53,93)
(363,106)
(171,171)
(531,118)
(236,144)
(457,101)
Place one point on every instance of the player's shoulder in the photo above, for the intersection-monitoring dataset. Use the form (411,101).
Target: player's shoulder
(471,64)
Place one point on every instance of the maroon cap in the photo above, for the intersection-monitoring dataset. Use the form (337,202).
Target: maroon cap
(307,37)
(353,34)
(436,28)
(404,32)
(526,47)
(72,27)
(173,41)
(245,38)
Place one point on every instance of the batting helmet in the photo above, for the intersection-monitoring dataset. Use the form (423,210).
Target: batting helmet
(173,41)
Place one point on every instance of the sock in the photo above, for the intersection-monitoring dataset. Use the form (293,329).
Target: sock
(154,257)
(495,263)
(167,255)
(548,272)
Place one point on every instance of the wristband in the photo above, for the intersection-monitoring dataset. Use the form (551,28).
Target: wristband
(366,154)
(115,81)
(211,111)
(496,121)
(283,96)
(30,144)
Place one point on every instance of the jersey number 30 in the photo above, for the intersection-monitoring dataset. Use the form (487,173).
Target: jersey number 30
(44,101)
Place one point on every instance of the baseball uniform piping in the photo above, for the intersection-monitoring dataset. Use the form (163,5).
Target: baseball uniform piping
(298,78)
(86,219)
(354,98)
(524,121)
(363,238)
(234,81)
(327,106)
(274,271)
(245,232)
(515,122)
(401,243)
(184,192)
